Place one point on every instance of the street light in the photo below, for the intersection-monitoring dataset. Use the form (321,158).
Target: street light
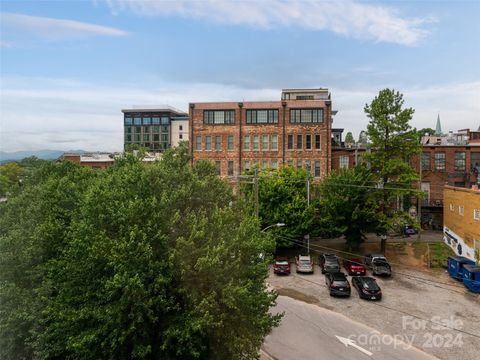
(276,225)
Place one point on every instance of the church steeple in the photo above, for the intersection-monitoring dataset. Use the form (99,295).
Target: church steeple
(438,128)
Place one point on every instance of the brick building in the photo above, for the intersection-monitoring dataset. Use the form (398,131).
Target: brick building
(462,221)
(240,136)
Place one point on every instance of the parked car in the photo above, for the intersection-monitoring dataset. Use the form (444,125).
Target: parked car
(367,287)
(381,267)
(304,264)
(329,263)
(355,266)
(281,265)
(337,284)
(370,257)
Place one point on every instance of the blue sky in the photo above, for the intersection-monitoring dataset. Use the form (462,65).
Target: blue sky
(67,68)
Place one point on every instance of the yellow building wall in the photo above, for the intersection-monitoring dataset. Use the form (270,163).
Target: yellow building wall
(461,232)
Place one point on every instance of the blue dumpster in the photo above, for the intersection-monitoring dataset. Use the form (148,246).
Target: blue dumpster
(456,264)
(471,277)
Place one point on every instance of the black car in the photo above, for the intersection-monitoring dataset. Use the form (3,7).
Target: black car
(329,263)
(367,287)
(337,284)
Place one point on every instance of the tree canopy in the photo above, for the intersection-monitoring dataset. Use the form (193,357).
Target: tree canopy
(349,138)
(347,206)
(136,261)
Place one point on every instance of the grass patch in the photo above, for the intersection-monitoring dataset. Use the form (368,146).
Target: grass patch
(439,252)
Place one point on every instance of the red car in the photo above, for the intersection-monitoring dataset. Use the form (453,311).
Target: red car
(281,265)
(355,267)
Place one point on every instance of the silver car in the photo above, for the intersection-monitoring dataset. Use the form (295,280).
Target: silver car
(304,264)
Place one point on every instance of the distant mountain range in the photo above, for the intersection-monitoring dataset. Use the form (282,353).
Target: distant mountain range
(41,154)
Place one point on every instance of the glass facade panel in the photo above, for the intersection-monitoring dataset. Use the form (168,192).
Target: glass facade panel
(128,121)
(147,121)
(155,120)
(137,121)
(165,120)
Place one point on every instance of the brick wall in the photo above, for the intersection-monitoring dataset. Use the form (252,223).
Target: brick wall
(281,129)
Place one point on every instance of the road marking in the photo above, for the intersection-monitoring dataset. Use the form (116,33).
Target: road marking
(347,342)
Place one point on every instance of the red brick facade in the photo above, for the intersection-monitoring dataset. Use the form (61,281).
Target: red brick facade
(271,156)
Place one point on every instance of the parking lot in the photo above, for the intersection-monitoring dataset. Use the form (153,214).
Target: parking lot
(435,313)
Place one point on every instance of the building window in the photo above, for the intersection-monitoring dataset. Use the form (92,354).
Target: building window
(461,210)
(246,142)
(299,142)
(156,129)
(128,129)
(138,129)
(180,127)
(165,120)
(230,168)
(289,162)
(306,116)
(218,142)
(230,142)
(147,121)
(290,142)
(219,116)
(246,165)
(146,129)
(274,142)
(180,136)
(344,162)
(274,164)
(440,161)
(262,116)
(476,214)
(137,121)
(128,121)
(460,161)
(255,142)
(155,120)
(425,161)
(308,166)
(264,142)
(264,164)
(208,142)
(317,168)
(218,167)
(156,137)
(129,138)
(146,137)
(308,142)
(299,164)
(452,208)
(165,137)
(317,141)
(137,137)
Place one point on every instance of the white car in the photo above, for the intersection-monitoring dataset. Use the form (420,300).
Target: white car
(304,264)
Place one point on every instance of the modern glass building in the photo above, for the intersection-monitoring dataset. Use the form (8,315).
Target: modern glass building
(152,128)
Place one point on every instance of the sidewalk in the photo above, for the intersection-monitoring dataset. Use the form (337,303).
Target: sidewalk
(425,236)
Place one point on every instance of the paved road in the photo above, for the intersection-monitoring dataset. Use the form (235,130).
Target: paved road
(426,236)
(310,332)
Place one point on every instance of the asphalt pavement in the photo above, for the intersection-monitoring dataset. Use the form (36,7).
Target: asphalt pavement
(308,331)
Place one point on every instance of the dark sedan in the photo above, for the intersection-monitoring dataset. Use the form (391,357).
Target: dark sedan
(367,287)
(337,284)
(329,263)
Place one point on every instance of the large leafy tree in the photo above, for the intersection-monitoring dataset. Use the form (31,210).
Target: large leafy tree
(282,195)
(347,206)
(349,138)
(392,142)
(143,261)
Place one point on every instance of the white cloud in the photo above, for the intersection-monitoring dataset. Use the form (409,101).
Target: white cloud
(348,18)
(42,113)
(54,28)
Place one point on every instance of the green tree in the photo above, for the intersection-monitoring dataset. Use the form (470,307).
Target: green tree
(392,142)
(349,138)
(144,261)
(282,197)
(347,206)
(362,138)
(10,174)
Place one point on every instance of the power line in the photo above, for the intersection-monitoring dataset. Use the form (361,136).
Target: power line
(286,237)
(401,311)
(419,279)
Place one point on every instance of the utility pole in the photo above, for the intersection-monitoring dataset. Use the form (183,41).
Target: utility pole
(419,202)
(255,184)
(308,191)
